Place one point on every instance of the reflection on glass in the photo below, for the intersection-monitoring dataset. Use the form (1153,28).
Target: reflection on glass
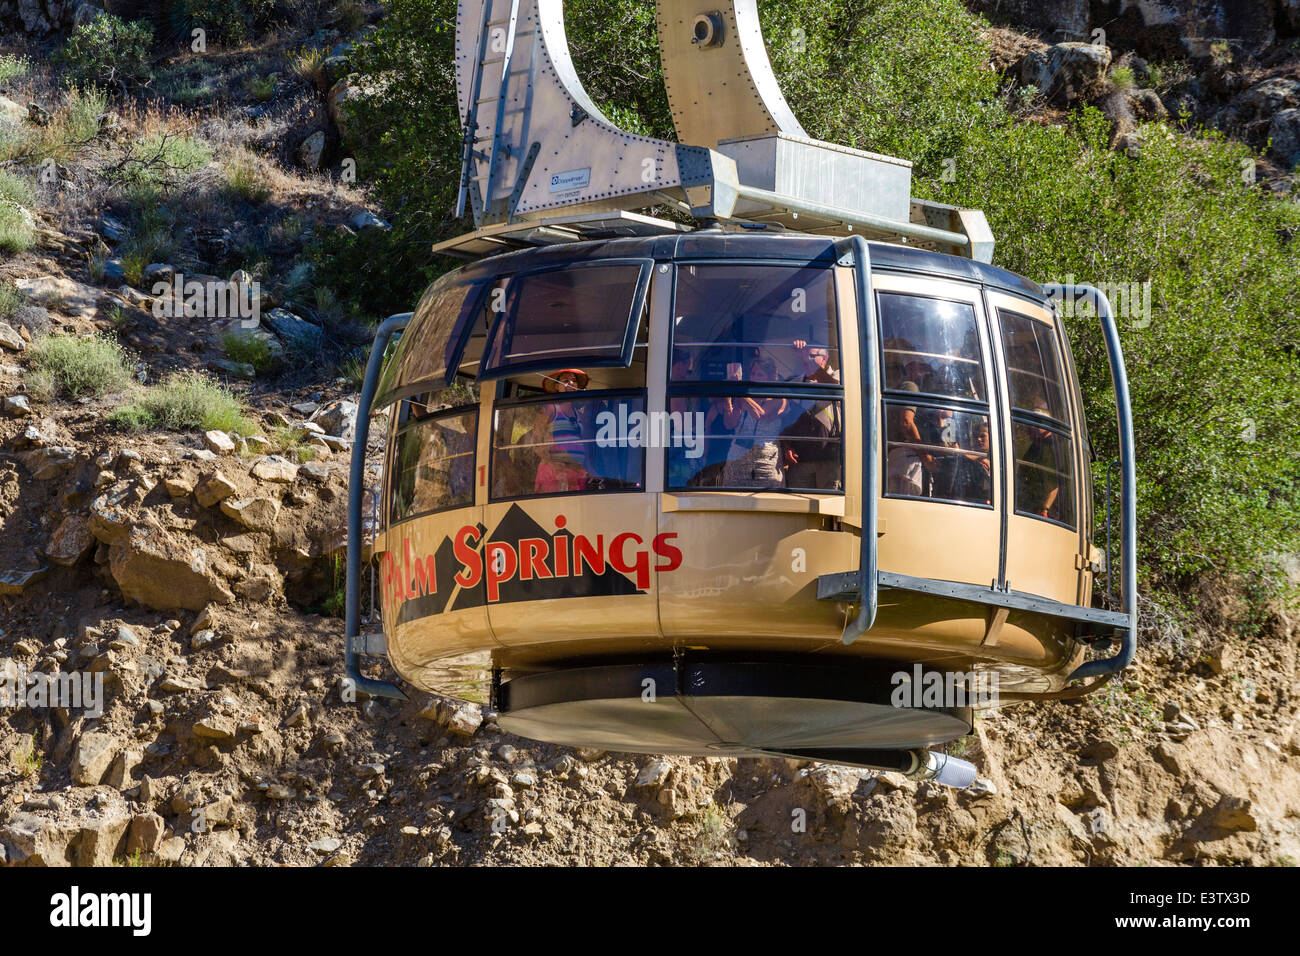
(564,446)
(1044,474)
(931,343)
(938,453)
(1034,371)
(755,442)
(744,323)
(433,464)
(566,315)
(443,315)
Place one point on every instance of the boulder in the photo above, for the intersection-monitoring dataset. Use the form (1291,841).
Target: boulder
(71,541)
(1067,72)
(110,521)
(101,836)
(73,297)
(94,754)
(31,840)
(179,486)
(293,331)
(121,775)
(338,418)
(275,468)
(219,442)
(1284,136)
(214,489)
(256,514)
(10,339)
(146,833)
(165,572)
(50,461)
(310,151)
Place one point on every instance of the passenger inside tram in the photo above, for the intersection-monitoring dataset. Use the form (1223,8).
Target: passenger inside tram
(1038,469)
(564,428)
(906,462)
(753,461)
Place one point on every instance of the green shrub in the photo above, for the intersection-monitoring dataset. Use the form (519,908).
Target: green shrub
(12,141)
(152,240)
(352,16)
(306,63)
(84,108)
(247,178)
(188,401)
(225,21)
(16,233)
(70,367)
(249,349)
(262,88)
(159,162)
(13,66)
(110,52)
(1123,78)
(13,188)
(11,300)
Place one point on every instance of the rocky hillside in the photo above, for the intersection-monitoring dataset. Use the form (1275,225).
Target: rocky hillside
(172,492)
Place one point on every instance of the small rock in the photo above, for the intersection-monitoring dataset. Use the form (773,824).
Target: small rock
(170,850)
(10,338)
(275,468)
(71,541)
(179,486)
(368,220)
(16,406)
(146,833)
(654,773)
(215,727)
(464,719)
(219,442)
(310,150)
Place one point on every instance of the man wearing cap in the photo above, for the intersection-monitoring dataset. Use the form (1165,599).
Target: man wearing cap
(563,464)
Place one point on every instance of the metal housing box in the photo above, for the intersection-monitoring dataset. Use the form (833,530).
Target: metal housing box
(823,173)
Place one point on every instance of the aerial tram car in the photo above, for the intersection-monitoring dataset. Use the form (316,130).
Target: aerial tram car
(751,479)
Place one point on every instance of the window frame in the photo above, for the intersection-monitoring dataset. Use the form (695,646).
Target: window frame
(1050,424)
(636,314)
(824,393)
(1067,407)
(395,444)
(829,267)
(1023,416)
(800,391)
(550,398)
(897,396)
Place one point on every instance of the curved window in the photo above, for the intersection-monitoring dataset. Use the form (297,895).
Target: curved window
(748,442)
(745,323)
(574,444)
(1039,415)
(1033,366)
(582,313)
(938,453)
(439,327)
(933,344)
(938,437)
(433,461)
(755,400)
(1044,473)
